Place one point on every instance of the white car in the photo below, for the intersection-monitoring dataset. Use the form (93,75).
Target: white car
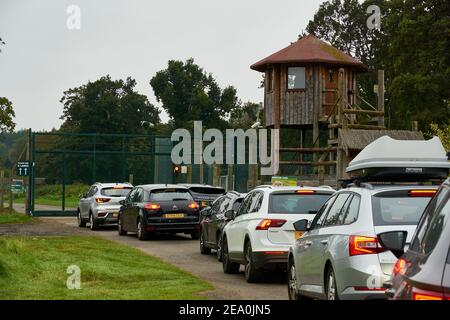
(261,232)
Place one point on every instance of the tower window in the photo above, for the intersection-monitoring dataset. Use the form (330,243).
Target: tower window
(296,78)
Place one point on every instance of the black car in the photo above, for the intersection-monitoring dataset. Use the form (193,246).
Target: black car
(214,220)
(423,272)
(151,209)
(204,194)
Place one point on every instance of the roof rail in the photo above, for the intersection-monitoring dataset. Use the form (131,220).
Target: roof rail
(264,186)
(326,187)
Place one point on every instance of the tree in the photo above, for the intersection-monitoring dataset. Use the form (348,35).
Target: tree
(412,48)
(107,106)
(443,132)
(7,115)
(247,115)
(188,93)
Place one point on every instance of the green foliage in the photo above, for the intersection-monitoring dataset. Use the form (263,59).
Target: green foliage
(188,93)
(412,47)
(36,268)
(107,106)
(443,132)
(7,115)
(245,116)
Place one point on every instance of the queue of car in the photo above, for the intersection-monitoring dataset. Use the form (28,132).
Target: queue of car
(346,244)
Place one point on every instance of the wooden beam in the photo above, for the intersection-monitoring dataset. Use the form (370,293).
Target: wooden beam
(308,150)
(381,97)
(367,112)
(309,163)
(357,126)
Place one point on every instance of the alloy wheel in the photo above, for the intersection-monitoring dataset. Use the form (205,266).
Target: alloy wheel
(292,285)
(331,292)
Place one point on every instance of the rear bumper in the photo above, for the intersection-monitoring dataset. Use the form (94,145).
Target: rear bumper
(270,260)
(173,227)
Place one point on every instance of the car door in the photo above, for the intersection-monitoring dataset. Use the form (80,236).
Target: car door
(127,210)
(84,203)
(209,220)
(330,232)
(135,208)
(234,238)
(305,259)
(217,218)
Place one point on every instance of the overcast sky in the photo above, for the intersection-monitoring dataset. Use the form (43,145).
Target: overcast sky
(43,58)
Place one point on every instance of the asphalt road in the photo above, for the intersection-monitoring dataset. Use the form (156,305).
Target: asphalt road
(184,253)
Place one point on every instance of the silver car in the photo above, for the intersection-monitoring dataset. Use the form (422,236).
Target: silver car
(101,204)
(340,256)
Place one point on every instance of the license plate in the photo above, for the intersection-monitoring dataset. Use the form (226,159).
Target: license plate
(174,215)
(298,234)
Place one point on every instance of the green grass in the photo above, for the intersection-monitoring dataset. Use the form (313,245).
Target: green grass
(13,217)
(36,268)
(51,195)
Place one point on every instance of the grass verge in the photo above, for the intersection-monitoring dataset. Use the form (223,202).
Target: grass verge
(36,268)
(13,217)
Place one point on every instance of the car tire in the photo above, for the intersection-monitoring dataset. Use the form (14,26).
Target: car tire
(252,275)
(203,249)
(330,285)
(229,267)
(219,247)
(292,282)
(81,222)
(195,235)
(93,224)
(120,229)
(141,232)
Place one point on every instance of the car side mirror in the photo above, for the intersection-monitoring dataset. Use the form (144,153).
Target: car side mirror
(394,241)
(122,202)
(206,212)
(302,225)
(229,215)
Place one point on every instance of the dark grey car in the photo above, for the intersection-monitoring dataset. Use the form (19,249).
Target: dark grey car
(423,273)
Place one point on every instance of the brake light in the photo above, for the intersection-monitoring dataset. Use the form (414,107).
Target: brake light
(270,223)
(102,200)
(193,205)
(399,267)
(152,206)
(422,193)
(118,187)
(419,294)
(364,245)
(304,191)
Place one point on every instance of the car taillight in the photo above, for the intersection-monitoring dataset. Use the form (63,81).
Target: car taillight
(399,267)
(193,205)
(364,245)
(419,294)
(422,193)
(152,206)
(270,223)
(304,191)
(102,200)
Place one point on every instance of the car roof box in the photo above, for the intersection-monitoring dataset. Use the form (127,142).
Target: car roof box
(401,160)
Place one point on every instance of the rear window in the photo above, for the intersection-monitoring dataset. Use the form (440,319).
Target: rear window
(205,190)
(170,195)
(295,203)
(398,208)
(115,192)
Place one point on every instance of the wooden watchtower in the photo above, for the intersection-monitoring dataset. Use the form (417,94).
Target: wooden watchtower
(311,86)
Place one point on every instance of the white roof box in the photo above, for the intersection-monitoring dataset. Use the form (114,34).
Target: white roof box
(406,158)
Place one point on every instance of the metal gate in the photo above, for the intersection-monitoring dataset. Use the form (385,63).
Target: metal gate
(65,164)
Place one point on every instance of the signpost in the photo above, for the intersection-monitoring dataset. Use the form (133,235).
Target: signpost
(23,168)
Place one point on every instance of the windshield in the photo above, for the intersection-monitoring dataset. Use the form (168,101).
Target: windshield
(296,203)
(115,192)
(170,195)
(397,208)
(206,190)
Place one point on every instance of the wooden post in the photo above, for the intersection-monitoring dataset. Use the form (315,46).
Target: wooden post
(216,174)
(130,178)
(415,126)
(341,120)
(2,185)
(381,97)
(189,174)
(10,192)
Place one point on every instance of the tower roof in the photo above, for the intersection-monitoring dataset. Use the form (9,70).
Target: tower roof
(309,49)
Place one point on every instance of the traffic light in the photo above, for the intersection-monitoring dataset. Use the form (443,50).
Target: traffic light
(176,169)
